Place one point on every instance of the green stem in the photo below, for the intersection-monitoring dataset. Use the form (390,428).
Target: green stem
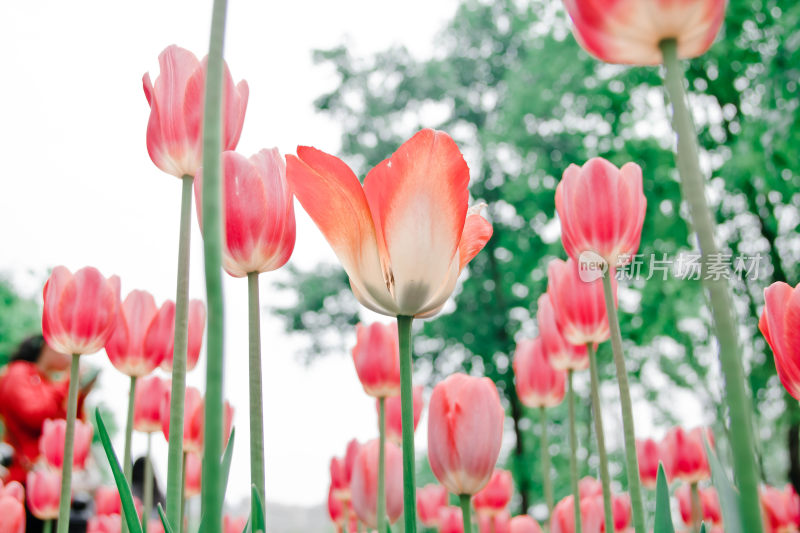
(69,446)
(548,484)
(697,513)
(183,493)
(148,484)
(693,189)
(382,464)
(178,391)
(256,401)
(465,512)
(573,456)
(407,418)
(48,526)
(213,495)
(601,439)
(127,464)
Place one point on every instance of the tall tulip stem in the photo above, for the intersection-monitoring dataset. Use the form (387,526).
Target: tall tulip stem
(693,189)
(407,419)
(127,464)
(382,464)
(178,391)
(697,512)
(464,500)
(601,438)
(546,480)
(256,400)
(47,527)
(183,492)
(148,483)
(69,445)
(573,456)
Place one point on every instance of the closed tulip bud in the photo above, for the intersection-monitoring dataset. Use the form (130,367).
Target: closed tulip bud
(193,420)
(194,472)
(80,310)
(376,356)
(524,524)
(592,516)
(111,523)
(430,499)
(465,430)
(451,520)
(648,454)
(495,496)
(494,523)
(342,471)
(12,508)
(177,100)
(392,412)
(107,501)
(231,524)
(589,487)
(147,404)
(709,505)
(159,341)
(51,443)
(364,485)
(685,454)
(780,325)
(335,508)
(621,512)
(781,509)
(538,383)
(630,31)
(258,212)
(579,305)
(125,347)
(44,493)
(561,354)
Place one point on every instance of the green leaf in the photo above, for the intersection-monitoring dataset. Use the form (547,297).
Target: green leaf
(257,513)
(703,527)
(226,461)
(728,498)
(246,526)
(663,522)
(125,496)
(164,521)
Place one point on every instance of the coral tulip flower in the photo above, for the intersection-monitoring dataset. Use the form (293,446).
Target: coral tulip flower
(709,504)
(258,212)
(562,355)
(392,412)
(160,337)
(451,519)
(629,31)
(404,237)
(364,485)
(465,430)
(80,310)
(342,471)
(685,454)
(107,501)
(524,524)
(231,524)
(194,472)
(110,523)
(781,509)
(579,305)
(177,99)
(538,383)
(780,325)
(147,404)
(495,496)
(495,523)
(376,356)
(592,516)
(648,453)
(51,443)
(12,508)
(194,415)
(430,499)
(44,493)
(125,347)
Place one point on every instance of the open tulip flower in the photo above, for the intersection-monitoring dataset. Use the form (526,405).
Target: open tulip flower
(709,505)
(685,454)
(342,471)
(364,485)
(12,508)
(495,523)
(376,356)
(648,453)
(43,494)
(781,509)
(780,325)
(496,495)
(630,31)
(394,422)
(147,404)
(160,339)
(404,237)
(524,524)
(451,520)
(538,383)
(125,347)
(430,499)
(561,354)
(51,443)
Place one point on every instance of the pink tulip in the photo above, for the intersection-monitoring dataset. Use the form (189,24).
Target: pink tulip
(494,523)
(364,485)
(589,487)
(592,516)
(107,501)
(125,347)
(258,212)
(392,411)
(404,237)
(621,512)
(111,523)
(232,524)
(430,499)
(685,454)
(629,31)
(51,443)
(495,496)
(465,430)
(538,383)
(147,404)
(524,524)
(648,453)
(80,310)
(451,520)
(781,509)
(155,526)
(12,508)
(44,493)
(780,325)
(174,131)
(709,505)
(342,471)
(579,305)
(561,354)
(194,414)
(376,356)
(335,508)
(194,472)
(161,334)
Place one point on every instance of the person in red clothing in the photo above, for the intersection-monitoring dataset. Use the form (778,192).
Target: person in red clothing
(32,389)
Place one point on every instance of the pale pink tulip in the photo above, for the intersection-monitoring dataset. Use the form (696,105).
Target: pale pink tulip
(524,524)
(12,508)
(44,493)
(364,485)
(110,523)
(376,357)
(562,354)
(451,520)
(684,454)
(159,341)
(125,347)
(648,453)
(781,509)
(430,499)
(592,516)
(194,473)
(51,443)
(342,471)
(393,412)
(495,523)
(538,383)
(147,404)
(496,495)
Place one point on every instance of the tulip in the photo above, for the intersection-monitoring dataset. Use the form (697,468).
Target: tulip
(12,508)
(621,512)
(155,526)
(779,324)
(561,354)
(43,491)
(524,524)
(342,471)
(193,422)
(591,509)
(107,501)
(450,520)
(51,443)
(465,430)
(104,524)
(589,487)
(538,383)
(781,509)
(335,508)
(174,131)
(150,392)
(364,485)
(232,524)
(430,500)
(685,454)
(709,505)
(631,31)
(494,523)
(495,496)
(394,423)
(160,338)
(648,454)
(125,347)
(377,359)
(194,472)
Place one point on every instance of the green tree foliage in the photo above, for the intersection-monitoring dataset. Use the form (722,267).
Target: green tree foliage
(19,317)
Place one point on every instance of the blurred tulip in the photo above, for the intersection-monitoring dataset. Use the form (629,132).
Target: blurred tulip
(110,523)
(648,453)
(430,500)
(12,508)
(364,485)
(232,524)
(161,334)
(524,524)
(451,519)
(592,516)
(404,237)
(258,212)
(630,31)
(709,504)
(780,325)
(392,410)
(335,508)
(781,509)
(685,455)
(620,511)
(155,526)
(495,496)
(589,487)
(601,209)
(51,443)
(194,472)
(107,501)
(465,430)
(342,471)
(125,347)
(194,413)
(376,356)
(561,354)
(538,383)
(80,310)
(147,404)
(579,305)
(43,493)
(175,128)
(495,523)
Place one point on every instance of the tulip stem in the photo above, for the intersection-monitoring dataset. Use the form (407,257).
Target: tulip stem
(48,526)
(212,491)
(178,391)
(548,484)
(183,493)
(256,399)
(465,512)
(127,465)
(573,456)
(65,502)
(382,464)
(148,484)
(693,189)
(697,513)
(601,439)
(407,419)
